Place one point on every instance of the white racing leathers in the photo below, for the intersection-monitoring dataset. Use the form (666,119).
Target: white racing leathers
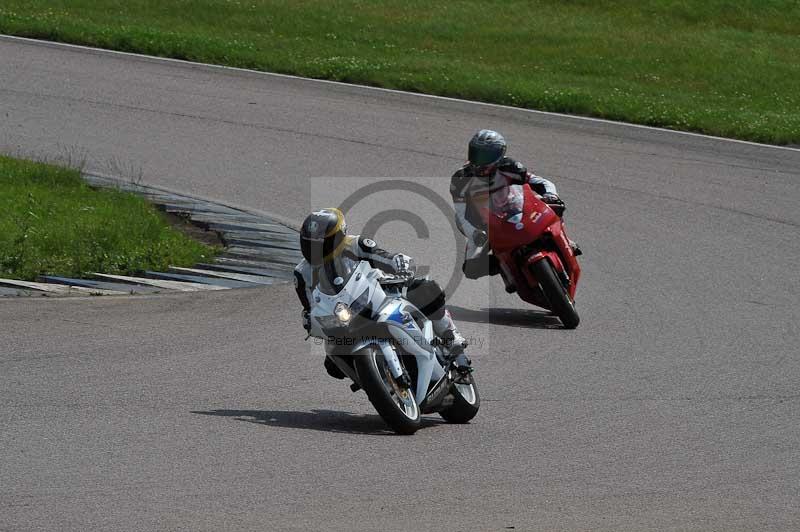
(424,293)
(356,248)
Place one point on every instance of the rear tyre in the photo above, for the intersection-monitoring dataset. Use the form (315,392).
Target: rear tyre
(466,402)
(555,292)
(397,406)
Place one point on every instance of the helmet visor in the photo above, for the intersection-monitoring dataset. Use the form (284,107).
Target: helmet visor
(485,155)
(318,250)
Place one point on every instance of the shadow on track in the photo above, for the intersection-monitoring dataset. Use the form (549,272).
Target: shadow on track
(510,317)
(322,420)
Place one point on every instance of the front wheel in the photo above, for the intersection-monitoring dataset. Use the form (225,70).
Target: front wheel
(396,405)
(555,292)
(466,401)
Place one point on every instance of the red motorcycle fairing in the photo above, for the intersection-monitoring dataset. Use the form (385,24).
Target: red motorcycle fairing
(563,258)
(523,230)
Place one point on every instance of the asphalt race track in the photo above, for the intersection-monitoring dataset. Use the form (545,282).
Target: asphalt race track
(674,405)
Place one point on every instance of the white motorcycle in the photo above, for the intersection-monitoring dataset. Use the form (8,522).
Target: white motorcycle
(386,345)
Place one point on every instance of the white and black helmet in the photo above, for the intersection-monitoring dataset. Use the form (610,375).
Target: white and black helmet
(486,148)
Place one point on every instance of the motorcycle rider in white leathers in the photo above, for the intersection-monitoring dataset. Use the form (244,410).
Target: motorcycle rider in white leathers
(489,169)
(323,238)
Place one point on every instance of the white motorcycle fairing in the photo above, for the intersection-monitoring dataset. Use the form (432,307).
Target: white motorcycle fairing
(410,329)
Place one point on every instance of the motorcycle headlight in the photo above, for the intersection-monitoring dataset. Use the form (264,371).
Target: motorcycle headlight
(343,313)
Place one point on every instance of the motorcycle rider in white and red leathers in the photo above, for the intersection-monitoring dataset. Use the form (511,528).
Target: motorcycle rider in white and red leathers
(323,238)
(486,170)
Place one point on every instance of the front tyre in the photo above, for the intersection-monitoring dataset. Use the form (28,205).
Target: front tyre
(397,406)
(466,401)
(555,292)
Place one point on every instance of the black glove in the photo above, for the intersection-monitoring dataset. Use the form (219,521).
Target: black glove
(306,321)
(552,199)
(479,238)
(555,203)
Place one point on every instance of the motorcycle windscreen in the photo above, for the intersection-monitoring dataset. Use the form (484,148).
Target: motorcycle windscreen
(517,218)
(507,202)
(334,274)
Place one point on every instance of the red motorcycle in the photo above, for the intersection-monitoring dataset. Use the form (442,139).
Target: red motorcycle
(527,237)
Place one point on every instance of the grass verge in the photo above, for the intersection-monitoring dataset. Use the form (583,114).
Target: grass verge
(52,222)
(712,66)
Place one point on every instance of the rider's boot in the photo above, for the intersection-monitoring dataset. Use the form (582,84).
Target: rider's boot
(480,266)
(455,343)
(576,249)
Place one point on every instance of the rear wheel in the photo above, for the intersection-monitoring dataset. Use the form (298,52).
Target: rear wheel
(396,405)
(555,292)
(466,401)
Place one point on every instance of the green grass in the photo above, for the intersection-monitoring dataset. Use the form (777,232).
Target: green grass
(51,222)
(722,67)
